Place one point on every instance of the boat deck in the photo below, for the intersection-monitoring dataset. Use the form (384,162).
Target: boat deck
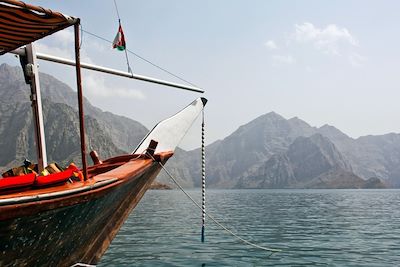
(109,172)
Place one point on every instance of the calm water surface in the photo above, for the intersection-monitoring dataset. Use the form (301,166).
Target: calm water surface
(312,227)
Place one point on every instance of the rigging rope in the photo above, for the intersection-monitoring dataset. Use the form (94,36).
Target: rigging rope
(80,44)
(272,250)
(142,58)
(116,8)
(119,23)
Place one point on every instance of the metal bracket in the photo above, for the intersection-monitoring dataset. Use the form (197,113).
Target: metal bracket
(27,68)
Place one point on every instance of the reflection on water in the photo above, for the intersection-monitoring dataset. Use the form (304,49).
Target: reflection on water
(313,227)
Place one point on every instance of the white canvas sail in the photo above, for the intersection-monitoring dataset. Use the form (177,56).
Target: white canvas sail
(169,133)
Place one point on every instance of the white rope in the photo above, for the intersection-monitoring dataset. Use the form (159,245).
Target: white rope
(139,155)
(273,250)
(80,264)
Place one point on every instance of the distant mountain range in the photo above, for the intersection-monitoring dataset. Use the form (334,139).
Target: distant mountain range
(107,133)
(274,152)
(268,152)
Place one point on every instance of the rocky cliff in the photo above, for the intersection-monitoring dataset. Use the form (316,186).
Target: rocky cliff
(107,133)
(274,152)
(268,152)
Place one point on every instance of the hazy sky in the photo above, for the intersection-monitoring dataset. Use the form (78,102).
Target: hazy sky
(334,62)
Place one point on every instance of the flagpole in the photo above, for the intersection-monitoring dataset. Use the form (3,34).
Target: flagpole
(123,37)
(126,53)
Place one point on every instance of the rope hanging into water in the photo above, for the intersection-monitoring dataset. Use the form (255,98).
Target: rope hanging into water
(119,24)
(272,250)
(80,264)
(203,179)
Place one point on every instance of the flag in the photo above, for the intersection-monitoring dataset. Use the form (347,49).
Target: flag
(119,40)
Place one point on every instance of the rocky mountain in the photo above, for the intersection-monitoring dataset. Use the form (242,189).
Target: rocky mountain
(107,133)
(249,146)
(62,133)
(124,132)
(274,152)
(370,156)
(268,152)
(309,162)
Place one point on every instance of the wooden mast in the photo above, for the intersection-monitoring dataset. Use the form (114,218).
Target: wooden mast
(50,22)
(80,98)
(31,70)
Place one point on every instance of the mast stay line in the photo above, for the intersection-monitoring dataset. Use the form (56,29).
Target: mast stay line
(21,52)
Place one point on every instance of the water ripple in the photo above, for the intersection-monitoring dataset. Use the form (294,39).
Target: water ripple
(313,227)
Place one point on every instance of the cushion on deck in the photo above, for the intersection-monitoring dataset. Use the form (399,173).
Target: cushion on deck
(17,181)
(53,178)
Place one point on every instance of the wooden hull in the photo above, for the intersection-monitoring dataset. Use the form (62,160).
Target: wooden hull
(77,228)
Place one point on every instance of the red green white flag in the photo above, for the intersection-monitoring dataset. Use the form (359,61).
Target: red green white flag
(119,40)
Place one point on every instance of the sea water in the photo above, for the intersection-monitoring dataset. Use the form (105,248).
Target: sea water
(312,227)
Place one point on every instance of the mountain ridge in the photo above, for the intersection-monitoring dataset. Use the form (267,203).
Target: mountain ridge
(271,134)
(109,134)
(12,86)
(280,146)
